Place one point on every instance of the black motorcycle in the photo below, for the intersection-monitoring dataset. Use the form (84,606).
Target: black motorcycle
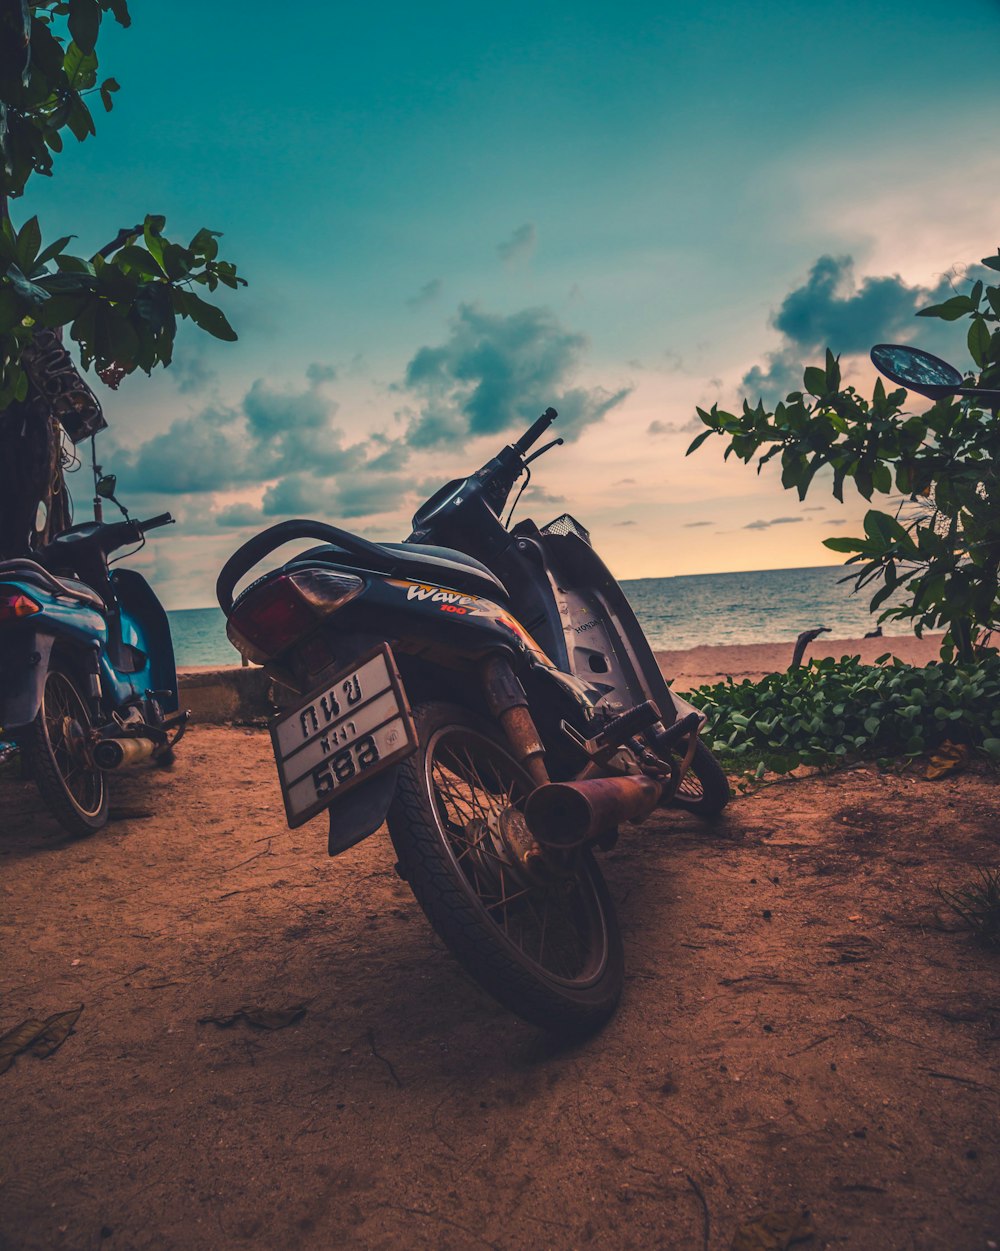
(490,695)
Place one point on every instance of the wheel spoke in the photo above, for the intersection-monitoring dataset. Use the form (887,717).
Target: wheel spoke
(473,782)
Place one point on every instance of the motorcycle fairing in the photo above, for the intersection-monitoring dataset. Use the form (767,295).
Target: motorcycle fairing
(24,662)
(145,620)
(604,643)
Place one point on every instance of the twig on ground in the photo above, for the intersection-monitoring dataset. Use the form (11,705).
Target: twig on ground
(809,1046)
(706,1227)
(256,856)
(388,1063)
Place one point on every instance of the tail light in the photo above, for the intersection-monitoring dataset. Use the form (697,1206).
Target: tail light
(15,604)
(275,613)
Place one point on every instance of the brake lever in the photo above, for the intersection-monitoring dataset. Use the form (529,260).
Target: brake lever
(542,450)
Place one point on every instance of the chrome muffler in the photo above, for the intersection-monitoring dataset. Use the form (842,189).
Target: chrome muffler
(117,753)
(564,815)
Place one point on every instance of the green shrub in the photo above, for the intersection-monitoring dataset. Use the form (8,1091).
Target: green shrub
(830,712)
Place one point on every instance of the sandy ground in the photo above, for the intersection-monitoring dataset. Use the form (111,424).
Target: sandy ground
(802,1028)
(694,666)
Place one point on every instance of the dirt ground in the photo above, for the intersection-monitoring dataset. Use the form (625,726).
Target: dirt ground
(802,1028)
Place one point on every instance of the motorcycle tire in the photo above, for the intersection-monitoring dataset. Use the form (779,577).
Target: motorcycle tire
(75,794)
(546,945)
(705,788)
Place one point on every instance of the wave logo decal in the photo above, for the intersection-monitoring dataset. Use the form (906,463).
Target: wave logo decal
(435,595)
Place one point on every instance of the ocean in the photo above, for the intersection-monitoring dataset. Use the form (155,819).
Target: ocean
(763,606)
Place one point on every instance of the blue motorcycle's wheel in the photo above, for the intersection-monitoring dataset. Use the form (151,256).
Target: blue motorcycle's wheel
(543,940)
(75,792)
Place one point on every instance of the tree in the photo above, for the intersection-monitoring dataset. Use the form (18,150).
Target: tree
(938,551)
(120,305)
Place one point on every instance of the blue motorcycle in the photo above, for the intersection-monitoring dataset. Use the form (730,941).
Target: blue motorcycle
(88,682)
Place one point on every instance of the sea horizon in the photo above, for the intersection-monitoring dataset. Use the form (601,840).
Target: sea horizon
(676,612)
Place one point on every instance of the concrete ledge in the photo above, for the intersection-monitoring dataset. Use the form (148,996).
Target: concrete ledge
(216,696)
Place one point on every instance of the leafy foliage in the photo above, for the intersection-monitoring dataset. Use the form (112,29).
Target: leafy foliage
(121,305)
(829,712)
(944,553)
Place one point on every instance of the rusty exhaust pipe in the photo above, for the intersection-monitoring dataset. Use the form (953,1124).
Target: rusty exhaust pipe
(565,815)
(116,753)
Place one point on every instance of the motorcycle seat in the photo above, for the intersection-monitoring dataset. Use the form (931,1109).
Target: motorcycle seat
(30,571)
(422,562)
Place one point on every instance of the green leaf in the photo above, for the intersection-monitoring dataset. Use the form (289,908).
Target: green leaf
(24,287)
(992,745)
(815,380)
(844,544)
(992,262)
(979,342)
(80,67)
(29,240)
(152,231)
(207,317)
(84,23)
(53,250)
(107,87)
(10,310)
(698,441)
(950,310)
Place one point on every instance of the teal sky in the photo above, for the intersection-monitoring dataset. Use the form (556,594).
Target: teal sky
(452,215)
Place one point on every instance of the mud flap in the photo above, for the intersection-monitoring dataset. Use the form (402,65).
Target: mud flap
(361,811)
(22,679)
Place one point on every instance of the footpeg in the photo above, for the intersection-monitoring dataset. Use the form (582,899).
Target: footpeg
(625,726)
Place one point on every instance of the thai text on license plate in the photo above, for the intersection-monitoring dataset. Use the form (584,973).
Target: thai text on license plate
(341,734)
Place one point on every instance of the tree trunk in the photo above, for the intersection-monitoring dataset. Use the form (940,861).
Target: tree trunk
(30,474)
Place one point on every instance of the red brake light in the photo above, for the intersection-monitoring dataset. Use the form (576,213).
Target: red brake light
(15,604)
(270,617)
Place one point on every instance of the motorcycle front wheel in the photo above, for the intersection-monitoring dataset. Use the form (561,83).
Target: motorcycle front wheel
(543,941)
(705,787)
(75,792)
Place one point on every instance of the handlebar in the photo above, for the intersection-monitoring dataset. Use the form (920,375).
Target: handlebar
(154,523)
(533,433)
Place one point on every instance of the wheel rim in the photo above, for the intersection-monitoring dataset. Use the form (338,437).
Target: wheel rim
(66,722)
(554,922)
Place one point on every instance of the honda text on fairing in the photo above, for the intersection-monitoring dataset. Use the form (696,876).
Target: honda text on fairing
(489,694)
(87,677)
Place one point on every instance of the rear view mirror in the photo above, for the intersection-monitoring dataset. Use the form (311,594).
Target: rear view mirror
(917,370)
(106,485)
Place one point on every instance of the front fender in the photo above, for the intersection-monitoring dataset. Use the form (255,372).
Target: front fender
(24,662)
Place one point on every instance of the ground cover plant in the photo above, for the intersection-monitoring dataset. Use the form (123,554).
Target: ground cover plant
(829,712)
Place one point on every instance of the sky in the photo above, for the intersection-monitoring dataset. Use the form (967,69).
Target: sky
(451,217)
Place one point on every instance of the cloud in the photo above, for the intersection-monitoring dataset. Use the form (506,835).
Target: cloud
(541,495)
(832,309)
(190,373)
(495,373)
(239,515)
(674,427)
(815,508)
(427,294)
(775,521)
(690,525)
(626,523)
(201,453)
(271,432)
(520,246)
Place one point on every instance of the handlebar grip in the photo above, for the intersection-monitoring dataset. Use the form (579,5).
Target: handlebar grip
(535,432)
(164,519)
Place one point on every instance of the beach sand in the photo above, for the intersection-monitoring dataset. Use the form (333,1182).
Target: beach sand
(696,666)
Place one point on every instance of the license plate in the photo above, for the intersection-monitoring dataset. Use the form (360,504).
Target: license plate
(341,734)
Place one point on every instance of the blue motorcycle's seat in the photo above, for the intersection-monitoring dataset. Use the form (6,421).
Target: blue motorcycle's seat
(25,570)
(420,562)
